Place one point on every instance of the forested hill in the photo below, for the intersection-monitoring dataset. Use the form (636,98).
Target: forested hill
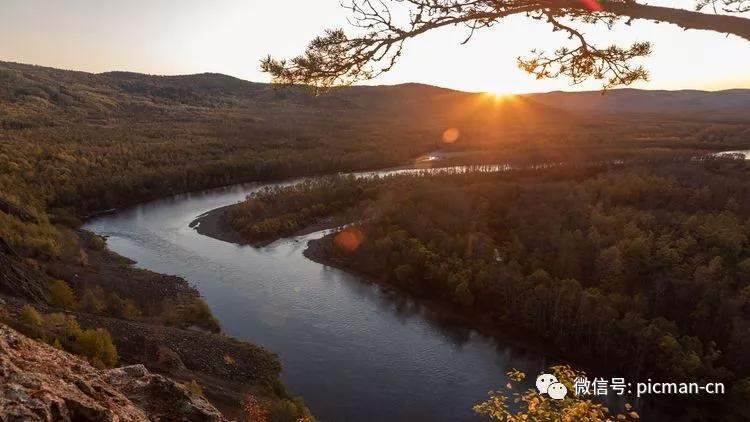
(719,105)
(34,91)
(33,96)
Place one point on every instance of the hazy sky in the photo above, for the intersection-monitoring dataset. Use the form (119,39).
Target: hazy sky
(230,36)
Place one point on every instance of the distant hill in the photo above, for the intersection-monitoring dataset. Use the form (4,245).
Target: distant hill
(28,90)
(733,103)
(40,90)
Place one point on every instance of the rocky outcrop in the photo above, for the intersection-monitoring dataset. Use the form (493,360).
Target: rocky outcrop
(41,383)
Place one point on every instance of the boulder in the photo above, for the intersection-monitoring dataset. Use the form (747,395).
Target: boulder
(41,383)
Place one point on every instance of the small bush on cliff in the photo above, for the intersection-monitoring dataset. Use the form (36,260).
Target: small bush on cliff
(31,322)
(191,311)
(263,409)
(97,346)
(30,316)
(122,308)
(93,300)
(195,388)
(63,332)
(61,295)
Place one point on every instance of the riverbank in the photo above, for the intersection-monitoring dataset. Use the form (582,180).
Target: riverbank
(226,369)
(215,224)
(318,251)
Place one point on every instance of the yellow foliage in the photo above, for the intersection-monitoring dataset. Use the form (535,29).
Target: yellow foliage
(61,295)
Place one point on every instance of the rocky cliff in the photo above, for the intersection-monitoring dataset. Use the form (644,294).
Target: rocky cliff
(41,383)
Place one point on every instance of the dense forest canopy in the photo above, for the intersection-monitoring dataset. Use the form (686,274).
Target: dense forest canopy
(642,267)
(73,144)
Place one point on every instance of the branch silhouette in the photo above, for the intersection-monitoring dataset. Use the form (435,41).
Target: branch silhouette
(383,26)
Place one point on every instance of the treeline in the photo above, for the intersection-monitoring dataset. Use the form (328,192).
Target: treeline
(281,211)
(644,267)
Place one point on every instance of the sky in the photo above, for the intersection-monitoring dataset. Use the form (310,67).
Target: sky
(168,37)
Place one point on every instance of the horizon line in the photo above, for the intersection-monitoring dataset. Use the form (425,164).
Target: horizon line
(367,85)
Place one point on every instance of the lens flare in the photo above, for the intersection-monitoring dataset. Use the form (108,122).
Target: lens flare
(451,135)
(592,5)
(349,239)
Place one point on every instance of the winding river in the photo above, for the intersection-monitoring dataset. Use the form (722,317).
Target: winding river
(353,350)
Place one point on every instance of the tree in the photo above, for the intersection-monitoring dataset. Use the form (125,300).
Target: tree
(61,295)
(337,58)
(97,346)
(31,322)
(30,316)
(93,300)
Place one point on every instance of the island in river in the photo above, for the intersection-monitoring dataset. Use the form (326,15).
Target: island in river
(540,248)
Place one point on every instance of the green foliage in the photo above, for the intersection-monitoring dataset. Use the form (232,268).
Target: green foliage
(289,410)
(98,243)
(31,322)
(63,332)
(95,345)
(61,295)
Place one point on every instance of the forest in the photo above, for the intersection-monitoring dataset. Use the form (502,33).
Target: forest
(75,144)
(642,267)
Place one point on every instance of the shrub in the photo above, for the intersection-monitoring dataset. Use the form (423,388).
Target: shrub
(98,243)
(31,322)
(122,308)
(195,388)
(30,316)
(286,410)
(61,295)
(93,300)
(191,312)
(97,346)
(63,327)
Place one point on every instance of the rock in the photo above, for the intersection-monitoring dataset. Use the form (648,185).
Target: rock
(41,383)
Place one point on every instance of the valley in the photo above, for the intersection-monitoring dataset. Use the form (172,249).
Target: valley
(145,149)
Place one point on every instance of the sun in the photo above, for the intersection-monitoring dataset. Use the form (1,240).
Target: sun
(500,96)
(500,93)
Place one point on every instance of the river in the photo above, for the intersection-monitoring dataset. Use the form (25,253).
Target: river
(353,350)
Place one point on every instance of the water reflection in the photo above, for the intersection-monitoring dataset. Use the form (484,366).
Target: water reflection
(354,350)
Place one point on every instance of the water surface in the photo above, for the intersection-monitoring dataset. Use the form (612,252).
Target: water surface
(353,350)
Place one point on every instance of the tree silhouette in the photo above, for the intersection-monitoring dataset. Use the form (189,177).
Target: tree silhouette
(337,58)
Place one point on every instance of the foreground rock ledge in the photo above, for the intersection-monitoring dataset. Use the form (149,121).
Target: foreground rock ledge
(41,383)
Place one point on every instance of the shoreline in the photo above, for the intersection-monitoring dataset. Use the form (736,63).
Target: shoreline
(214,224)
(183,354)
(211,225)
(440,312)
